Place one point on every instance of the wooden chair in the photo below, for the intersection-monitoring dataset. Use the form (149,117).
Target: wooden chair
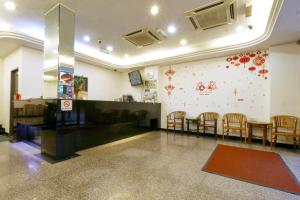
(284,125)
(235,123)
(209,121)
(175,120)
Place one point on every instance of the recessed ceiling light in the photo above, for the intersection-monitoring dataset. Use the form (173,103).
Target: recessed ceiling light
(9,5)
(126,56)
(109,48)
(171,29)
(183,42)
(239,28)
(154,10)
(86,38)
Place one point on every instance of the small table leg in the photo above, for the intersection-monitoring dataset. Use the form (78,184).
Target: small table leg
(264,135)
(250,133)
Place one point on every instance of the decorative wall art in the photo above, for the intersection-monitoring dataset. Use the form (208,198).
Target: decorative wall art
(170,73)
(254,62)
(169,88)
(81,87)
(206,88)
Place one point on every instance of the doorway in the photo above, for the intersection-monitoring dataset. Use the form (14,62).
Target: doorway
(14,88)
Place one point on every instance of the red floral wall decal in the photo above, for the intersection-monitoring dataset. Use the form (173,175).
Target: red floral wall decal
(170,73)
(169,88)
(257,59)
(206,90)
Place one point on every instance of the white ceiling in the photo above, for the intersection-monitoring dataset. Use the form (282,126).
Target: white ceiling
(109,20)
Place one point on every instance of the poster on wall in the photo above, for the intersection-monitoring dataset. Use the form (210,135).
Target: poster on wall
(66,76)
(81,87)
(150,91)
(65,83)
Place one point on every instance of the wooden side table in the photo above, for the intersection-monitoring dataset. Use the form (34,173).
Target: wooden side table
(193,121)
(263,125)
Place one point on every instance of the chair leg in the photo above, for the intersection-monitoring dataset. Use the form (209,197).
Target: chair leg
(223,133)
(275,140)
(295,143)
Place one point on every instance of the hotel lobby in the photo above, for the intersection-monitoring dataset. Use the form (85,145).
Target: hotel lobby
(153,99)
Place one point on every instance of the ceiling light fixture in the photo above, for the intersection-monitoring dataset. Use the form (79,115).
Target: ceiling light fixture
(171,29)
(9,5)
(183,42)
(86,38)
(109,48)
(154,10)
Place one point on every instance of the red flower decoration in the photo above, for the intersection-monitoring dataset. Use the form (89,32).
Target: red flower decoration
(235,58)
(212,85)
(229,59)
(265,55)
(252,68)
(259,61)
(200,86)
(263,71)
(252,55)
(244,60)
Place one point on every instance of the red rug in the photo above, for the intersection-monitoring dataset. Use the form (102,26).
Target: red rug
(259,167)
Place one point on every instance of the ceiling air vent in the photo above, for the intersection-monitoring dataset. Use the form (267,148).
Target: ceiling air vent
(141,38)
(213,15)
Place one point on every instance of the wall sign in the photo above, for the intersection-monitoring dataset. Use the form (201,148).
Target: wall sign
(66,105)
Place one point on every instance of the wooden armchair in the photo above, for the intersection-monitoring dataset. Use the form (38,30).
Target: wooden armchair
(175,120)
(209,121)
(235,123)
(286,126)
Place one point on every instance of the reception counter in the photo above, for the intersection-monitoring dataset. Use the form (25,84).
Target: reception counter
(90,123)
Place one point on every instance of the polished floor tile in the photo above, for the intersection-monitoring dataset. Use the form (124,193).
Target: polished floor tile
(152,166)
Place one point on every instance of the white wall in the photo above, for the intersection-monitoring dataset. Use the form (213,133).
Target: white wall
(30,74)
(103,84)
(285,79)
(1,91)
(238,90)
(126,88)
(10,63)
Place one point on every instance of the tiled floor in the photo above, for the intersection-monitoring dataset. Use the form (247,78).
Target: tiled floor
(152,166)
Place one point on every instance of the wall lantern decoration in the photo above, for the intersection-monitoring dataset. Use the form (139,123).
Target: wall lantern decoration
(258,60)
(169,88)
(170,73)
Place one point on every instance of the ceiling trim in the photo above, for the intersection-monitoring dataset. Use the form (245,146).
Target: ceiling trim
(37,43)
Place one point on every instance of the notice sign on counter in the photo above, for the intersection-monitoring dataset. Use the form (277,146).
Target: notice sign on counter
(66,105)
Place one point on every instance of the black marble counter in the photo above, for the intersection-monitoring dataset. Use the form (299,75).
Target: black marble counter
(91,123)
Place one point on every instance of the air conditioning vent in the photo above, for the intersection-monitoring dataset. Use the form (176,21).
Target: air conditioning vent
(141,38)
(213,15)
